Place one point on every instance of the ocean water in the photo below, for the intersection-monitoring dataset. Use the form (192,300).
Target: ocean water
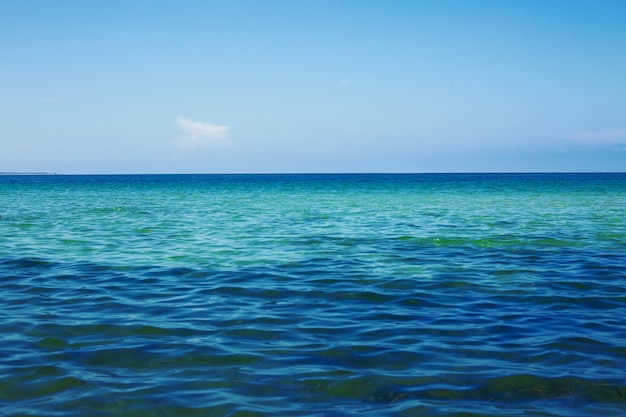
(313,295)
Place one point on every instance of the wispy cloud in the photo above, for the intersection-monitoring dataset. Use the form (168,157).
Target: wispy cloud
(345,81)
(598,137)
(201,134)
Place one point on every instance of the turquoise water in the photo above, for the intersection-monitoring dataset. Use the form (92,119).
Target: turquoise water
(313,295)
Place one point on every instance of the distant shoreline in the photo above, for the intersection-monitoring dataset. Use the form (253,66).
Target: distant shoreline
(28,173)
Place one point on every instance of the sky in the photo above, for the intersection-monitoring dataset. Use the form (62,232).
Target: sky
(270,86)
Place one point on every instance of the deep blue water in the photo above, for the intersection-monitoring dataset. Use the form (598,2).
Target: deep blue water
(313,295)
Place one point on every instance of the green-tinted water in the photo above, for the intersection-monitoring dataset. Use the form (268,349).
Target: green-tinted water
(320,295)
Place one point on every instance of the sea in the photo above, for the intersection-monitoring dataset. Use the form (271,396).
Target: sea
(313,295)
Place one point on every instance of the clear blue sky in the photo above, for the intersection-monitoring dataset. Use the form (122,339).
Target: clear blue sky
(123,86)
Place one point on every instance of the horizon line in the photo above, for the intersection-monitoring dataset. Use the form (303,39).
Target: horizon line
(45,173)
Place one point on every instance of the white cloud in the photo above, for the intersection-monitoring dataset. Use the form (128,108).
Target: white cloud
(345,81)
(201,134)
(598,137)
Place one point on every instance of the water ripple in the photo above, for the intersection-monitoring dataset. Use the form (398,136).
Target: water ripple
(239,298)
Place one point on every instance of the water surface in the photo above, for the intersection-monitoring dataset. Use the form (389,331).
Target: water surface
(313,295)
